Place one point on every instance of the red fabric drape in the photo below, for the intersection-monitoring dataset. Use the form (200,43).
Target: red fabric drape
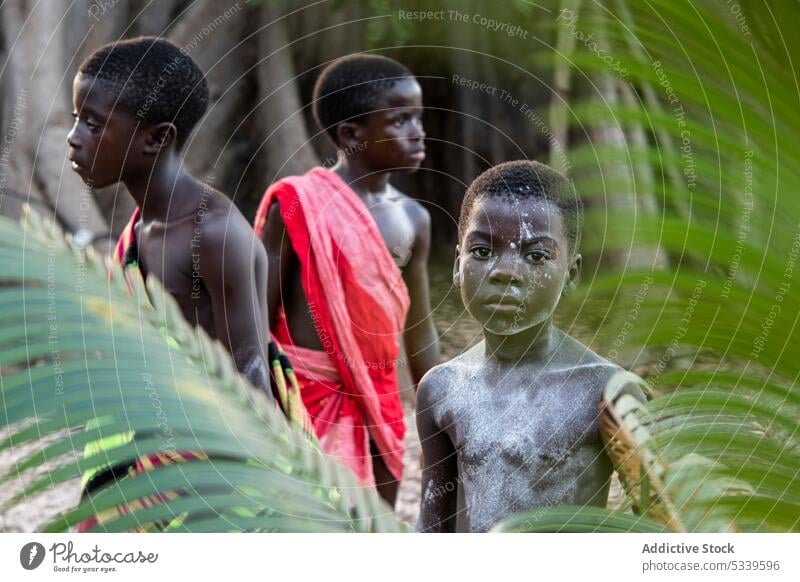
(359,302)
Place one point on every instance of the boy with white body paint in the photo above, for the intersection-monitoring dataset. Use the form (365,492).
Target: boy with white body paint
(512,424)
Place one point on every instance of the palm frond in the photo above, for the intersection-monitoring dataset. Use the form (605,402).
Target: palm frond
(77,347)
(575,519)
(715,331)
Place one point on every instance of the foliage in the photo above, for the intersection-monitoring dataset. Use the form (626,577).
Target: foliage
(76,347)
(715,326)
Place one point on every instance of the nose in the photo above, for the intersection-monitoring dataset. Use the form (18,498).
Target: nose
(72,136)
(417,131)
(505,270)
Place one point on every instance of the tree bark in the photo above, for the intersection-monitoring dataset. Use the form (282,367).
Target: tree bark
(616,195)
(562,84)
(38,99)
(213,35)
(284,147)
(653,104)
(644,177)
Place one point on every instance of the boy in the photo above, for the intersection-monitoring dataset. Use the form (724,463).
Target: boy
(136,102)
(352,276)
(511,424)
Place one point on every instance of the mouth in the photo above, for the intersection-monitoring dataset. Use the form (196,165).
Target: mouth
(81,170)
(417,156)
(503,303)
(76,166)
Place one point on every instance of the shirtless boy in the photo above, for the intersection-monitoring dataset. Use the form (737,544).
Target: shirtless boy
(135,104)
(371,107)
(512,424)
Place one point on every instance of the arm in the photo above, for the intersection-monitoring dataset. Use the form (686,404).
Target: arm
(420,337)
(232,275)
(439,467)
(279,256)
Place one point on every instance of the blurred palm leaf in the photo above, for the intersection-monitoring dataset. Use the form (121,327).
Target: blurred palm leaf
(75,347)
(569,519)
(715,330)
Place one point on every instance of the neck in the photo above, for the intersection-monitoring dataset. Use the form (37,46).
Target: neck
(158,191)
(535,343)
(360,177)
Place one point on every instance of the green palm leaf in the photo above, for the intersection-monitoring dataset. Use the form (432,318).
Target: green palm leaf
(569,519)
(716,328)
(73,351)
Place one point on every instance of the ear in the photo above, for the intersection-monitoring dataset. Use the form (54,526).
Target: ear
(457,268)
(573,275)
(349,135)
(160,137)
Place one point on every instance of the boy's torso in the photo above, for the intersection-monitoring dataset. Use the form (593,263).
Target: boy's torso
(526,437)
(392,214)
(172,253)
(394,218)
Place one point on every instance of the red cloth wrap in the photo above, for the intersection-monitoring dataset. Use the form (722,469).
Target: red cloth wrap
(359,302)
(126,239)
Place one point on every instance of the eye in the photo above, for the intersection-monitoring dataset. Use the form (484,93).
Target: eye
(89,122)
(401,119)
(537,256)
(481,252)
(91,125)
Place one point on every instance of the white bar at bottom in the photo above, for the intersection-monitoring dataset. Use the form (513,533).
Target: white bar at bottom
(404,557)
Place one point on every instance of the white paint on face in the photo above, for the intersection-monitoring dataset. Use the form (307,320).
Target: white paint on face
(525,229)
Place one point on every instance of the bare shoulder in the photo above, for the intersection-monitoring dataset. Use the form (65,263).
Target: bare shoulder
(433,387)
(442,380)
(415,211)
(584,365)
(220,225)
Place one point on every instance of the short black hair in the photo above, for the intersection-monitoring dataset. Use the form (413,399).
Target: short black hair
(154,79)
(526,179)
(351,87)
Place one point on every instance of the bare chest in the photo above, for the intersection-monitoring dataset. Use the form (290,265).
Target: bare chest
(544,422)
(174,259)
(396,229)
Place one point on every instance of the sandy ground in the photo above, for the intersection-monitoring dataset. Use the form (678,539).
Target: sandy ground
(407,506)
(32,513)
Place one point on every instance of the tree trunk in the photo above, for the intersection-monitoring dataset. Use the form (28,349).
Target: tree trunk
(671,204)
(37,112)
(562,84)
(284,146)
(645,180)
(212,34)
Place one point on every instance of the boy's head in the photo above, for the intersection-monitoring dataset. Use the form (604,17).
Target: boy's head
(133,99)
(517,253)
(371,106)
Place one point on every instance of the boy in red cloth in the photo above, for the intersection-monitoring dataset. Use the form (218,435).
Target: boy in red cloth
(348,259)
